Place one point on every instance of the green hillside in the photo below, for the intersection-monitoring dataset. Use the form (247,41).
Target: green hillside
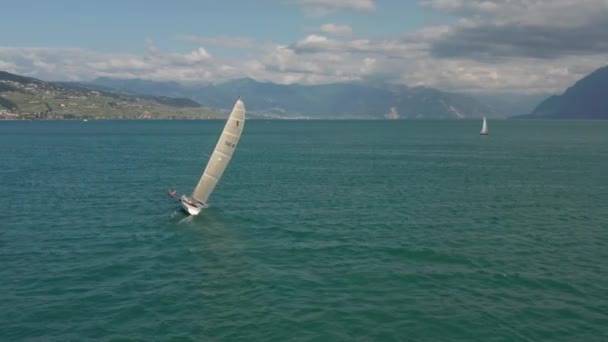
(30,98)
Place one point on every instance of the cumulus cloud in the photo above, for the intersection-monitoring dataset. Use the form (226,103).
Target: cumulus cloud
(321,67)
(80,64)
(337,30)
(313,60)
(522,46)
(410,59)
(546,29)
(389,48)
(198,55)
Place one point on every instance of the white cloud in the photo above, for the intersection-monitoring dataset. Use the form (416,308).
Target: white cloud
(337,30)
(315,59)
(8,66)
(369,65)
(445,56)
(117,62)
(198,55)
(387,48)
(81,64)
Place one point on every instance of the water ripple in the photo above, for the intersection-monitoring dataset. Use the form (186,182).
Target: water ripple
(342,231)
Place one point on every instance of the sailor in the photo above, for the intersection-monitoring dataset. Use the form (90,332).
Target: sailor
(172,193)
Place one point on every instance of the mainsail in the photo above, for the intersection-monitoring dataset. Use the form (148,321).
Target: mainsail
(484,127)
(224,149)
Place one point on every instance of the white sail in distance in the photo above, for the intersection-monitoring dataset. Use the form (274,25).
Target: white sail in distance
(224,149)
(484,127)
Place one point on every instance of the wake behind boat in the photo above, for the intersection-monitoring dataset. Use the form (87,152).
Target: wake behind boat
(221,156)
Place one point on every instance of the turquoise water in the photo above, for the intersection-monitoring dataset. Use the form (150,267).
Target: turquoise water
(319,230)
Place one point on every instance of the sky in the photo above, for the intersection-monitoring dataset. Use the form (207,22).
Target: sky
(476,46)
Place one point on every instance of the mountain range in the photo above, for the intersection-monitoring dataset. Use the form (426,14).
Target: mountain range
(337,100)
(586,99)
(133,98)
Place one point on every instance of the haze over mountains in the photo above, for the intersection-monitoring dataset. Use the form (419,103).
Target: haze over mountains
(511,104)
(337,100)
(584,100)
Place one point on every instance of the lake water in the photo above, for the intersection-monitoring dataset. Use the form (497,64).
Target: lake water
(319,230)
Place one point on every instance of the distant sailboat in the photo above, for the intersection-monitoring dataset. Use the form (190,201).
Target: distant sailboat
(484,127)
(224,149)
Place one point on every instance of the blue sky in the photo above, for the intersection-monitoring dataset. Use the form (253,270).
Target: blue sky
(122,26)
(465,45)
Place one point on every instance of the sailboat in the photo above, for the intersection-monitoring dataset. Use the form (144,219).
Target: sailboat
(218,161)
(484,127)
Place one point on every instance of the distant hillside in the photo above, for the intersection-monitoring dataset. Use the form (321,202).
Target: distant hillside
(26,97)
(586,99)
(338,100)
(511,104)
(106,91)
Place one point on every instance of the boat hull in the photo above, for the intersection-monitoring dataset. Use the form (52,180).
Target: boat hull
(189,207)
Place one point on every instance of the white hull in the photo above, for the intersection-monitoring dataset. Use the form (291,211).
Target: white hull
(189,208)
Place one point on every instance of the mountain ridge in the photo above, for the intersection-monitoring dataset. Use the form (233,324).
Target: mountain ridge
(325,101)
(585,99)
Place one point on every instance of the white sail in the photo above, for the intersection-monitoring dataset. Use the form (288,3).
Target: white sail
(224,149)
(484,127)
